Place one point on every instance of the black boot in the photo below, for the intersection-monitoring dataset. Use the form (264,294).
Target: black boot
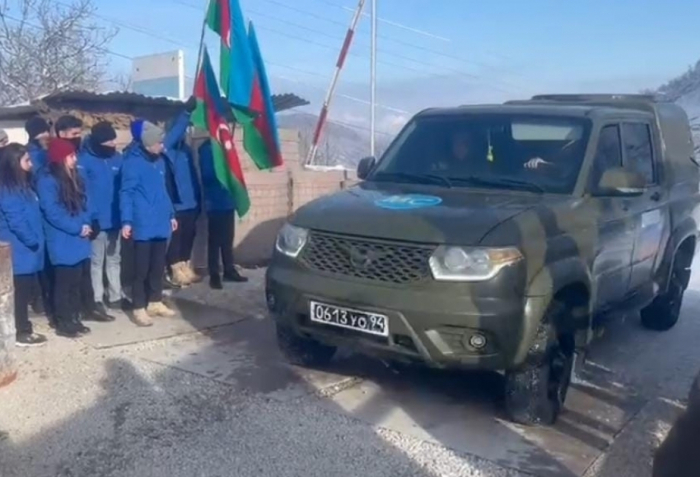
(215,282)
(98,313)
(66,328)
(233,276)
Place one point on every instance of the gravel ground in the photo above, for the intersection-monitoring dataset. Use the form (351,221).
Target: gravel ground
(77,411)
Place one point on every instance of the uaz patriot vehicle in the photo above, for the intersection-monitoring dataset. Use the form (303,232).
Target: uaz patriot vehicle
(497,237)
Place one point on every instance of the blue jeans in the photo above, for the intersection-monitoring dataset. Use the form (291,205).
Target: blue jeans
(106,258)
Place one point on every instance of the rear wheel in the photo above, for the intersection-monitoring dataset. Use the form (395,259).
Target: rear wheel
(535,393)
(662,314)
(303,351)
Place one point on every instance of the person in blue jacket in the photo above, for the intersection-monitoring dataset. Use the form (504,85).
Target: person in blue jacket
(180,161)
(101,166)
(66,213)
(221,209)
(148,218)
(20,226)
(38,131)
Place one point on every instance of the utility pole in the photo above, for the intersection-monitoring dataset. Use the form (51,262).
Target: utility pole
(373,82)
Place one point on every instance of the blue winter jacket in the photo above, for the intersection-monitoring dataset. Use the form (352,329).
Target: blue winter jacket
(38,156)
(182,164)
(21,227)
(179,155)
(216,197)
(102,180)
(63,240)
(143,197)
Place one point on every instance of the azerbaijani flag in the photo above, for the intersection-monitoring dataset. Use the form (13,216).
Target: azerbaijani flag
(261,104)
(211,115)
(225,18)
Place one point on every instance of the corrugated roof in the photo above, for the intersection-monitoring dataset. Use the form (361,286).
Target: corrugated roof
(280,102)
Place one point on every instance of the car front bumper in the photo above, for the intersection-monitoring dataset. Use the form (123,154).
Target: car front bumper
(431,323)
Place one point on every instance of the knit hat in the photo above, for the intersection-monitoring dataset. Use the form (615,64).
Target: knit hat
(102,132)
(59,150)
(147,133)
(35,126)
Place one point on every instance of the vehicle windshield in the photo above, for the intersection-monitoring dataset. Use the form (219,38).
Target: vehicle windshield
(504,151)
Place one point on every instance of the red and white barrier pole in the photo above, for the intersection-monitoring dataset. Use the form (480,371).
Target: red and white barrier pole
(336,74)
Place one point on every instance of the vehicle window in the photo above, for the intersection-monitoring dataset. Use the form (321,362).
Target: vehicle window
(639,155)
(608,154)
(488,150)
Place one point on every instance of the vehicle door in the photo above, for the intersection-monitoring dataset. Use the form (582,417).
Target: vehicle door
(641,153)
(612,262)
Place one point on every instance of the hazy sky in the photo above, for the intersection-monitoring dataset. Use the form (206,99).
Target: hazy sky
(437,51)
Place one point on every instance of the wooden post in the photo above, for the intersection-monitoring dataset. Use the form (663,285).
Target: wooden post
(8,365)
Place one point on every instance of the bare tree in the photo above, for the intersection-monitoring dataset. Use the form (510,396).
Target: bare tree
(48,46)
(123,82)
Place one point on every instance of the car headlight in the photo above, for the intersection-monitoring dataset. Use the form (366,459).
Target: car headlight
(471,264)
(291,239)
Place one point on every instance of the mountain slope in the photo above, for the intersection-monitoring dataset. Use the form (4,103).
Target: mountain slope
(684,90)
(340,145)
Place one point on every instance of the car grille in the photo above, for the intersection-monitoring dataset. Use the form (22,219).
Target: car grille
(381,261)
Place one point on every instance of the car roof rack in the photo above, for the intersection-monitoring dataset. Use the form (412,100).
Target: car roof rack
(593,98)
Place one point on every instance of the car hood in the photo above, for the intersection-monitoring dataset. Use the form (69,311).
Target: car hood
(439,215)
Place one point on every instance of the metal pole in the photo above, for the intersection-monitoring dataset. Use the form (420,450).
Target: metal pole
(8,363)
(373,81)
(329,95)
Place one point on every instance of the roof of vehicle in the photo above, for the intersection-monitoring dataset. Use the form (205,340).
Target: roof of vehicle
(561,105)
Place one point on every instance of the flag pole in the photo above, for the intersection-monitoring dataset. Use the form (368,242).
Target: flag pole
(334,81)
(201,39)
(373,81)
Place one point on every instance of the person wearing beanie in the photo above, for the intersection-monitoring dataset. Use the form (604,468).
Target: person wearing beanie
(179,159)
(147,218)
(70,128)
(101,165)
(66,216)
(38,131)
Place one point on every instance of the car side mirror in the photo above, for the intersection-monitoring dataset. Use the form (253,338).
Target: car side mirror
(365,166)
(621,183)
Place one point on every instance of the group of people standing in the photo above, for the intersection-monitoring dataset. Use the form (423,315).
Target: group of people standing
(70,204)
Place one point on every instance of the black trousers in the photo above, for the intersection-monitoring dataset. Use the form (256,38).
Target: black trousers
(72,292)
(182,240)
(221,229)
(25,288)
(43,290)
(149,263)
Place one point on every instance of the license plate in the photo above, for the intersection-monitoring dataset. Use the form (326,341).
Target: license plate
(357,320)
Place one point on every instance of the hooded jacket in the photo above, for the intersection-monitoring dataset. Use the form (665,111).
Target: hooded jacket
(144,201)
(102,180)
(63,240)
(21,226)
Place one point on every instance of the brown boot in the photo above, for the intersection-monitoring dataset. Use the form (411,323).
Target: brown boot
(158,308)
(179,274)
(190,273)
(141,318)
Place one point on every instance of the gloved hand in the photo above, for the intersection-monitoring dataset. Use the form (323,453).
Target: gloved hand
(191,104)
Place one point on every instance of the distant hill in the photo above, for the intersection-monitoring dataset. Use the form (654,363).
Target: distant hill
(340,144)
(684,90)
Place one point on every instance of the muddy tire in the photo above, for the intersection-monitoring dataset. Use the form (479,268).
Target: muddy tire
(662,314)
(303,351)
(535,393)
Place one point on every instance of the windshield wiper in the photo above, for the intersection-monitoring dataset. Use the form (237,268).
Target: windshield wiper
(499,181)
(432,178)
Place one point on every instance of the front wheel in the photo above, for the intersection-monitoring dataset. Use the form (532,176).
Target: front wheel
(303,351)
(535,393)
(662,314)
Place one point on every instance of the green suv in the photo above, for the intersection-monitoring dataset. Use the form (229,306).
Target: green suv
(497,237)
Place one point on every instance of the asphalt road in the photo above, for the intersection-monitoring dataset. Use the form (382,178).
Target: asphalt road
(206,394)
